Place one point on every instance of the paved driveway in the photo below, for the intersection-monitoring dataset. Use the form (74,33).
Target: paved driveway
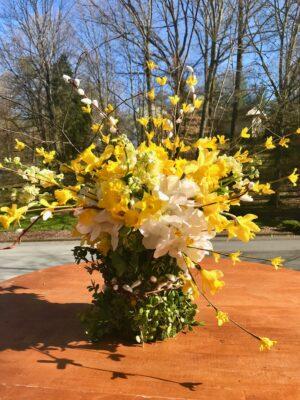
(32,256)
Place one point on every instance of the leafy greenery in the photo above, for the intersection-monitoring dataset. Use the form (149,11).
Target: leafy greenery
(145,313)
(291,225)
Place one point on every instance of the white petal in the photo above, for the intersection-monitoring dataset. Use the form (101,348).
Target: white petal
(86,101)
(76,82)
(46,215)
(66,78)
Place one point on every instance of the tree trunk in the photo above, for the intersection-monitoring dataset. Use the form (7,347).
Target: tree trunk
(239,68)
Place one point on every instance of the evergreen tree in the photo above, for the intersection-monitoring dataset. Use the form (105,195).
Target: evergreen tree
(69,116)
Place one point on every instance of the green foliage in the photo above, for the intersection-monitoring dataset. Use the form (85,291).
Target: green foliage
(291,225)
(68,111)
(144,314)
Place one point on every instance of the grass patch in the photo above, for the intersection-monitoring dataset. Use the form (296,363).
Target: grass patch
(291,225)
(58,223)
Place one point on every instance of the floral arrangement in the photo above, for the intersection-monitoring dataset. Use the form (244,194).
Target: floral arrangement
(146,214)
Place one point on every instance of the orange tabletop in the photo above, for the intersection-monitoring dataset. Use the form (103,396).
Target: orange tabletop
(44,353)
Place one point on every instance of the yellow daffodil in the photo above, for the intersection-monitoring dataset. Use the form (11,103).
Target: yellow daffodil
(197,103)
(187,108)
(151,95)
(266,343)
(242,157)
(211,280)
(105,138)
(293,177)
(277,262)
(264,188)
(157,121)
(48,156)
(63,196)
(269,143)
(150,135)
(174,99)
(143,121)
(235,257)
(216,256)
(109,108)
(12,214)
(192,80)
(284,142)
(86,109)
(221,139)
(96,128)
(189,287)
(244,133)
(162,80)
(151,65)
(243,227)
(167,125)
(19,145)
(222,317)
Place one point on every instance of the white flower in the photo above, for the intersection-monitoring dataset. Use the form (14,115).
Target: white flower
(66,78)
(112,129)
(184,234)
(46,215)
(100,221)
(177,191)
(113,121)
(246,198)
(76,82)
(95,103)
(80,92)
(86,101)
(190,69)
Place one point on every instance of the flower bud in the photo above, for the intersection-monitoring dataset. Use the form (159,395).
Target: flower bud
(86,101)
(153,279)
(95,103)
(127,288)
(66,78)
(32,219)
(76,82)
(80,92)
(116,287)
(19,231)
(246,198)
(135,284)
(190,69)
(46,215)
(171,277)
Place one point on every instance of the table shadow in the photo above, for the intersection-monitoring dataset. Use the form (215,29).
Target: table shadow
(30,322)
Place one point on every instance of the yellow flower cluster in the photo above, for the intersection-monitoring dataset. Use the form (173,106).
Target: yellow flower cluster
(177,194)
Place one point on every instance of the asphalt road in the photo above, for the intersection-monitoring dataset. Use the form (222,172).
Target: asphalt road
(33,256)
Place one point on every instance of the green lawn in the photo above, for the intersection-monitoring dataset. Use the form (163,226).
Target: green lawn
(57,223)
